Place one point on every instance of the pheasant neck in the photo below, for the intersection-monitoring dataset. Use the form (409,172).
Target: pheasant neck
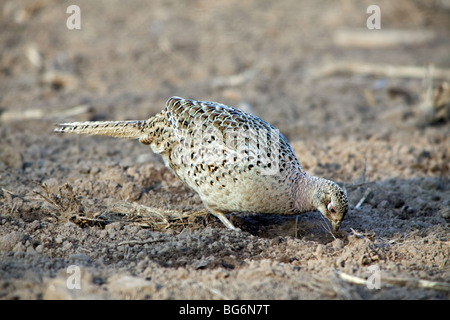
(306,187)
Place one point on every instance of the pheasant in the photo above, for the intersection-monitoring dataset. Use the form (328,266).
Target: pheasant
(235,161)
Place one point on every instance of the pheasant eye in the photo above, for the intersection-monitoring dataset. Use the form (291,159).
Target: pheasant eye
(331,208)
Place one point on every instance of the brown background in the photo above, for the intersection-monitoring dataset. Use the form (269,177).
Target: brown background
(365,131)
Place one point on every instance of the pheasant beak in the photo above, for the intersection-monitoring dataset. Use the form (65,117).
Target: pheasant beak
(336,225)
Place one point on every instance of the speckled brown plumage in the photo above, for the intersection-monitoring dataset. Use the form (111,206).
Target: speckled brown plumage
(235,161)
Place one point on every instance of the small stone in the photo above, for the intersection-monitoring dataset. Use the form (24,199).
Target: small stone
(365,260)
(9,241)
(398,203)
(445,213)
(79,257)
(67,245)
(30,250)
(35,225)
(144,234)
(384,204)
(340,262)
(319,249)
(201,264)
(141,255)
(338,244)
(19,247)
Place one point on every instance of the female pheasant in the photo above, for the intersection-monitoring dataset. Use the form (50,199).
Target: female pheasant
(235,161)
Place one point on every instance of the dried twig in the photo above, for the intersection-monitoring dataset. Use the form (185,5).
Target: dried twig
(363,235)
(233,80)
(218,293)
(65,201)
(377,70)
(326,226)
(364,197)
(407,282)
(39,113)
(156,218)
(381,38)
(9,192)
(350,278)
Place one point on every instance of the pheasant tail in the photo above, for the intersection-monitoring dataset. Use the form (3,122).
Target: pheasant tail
(118,129)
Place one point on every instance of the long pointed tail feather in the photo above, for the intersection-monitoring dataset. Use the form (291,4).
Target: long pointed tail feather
(118,129)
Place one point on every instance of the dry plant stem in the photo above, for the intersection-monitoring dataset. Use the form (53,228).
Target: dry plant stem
(65,201)
(325,225)
(219,294)
(407,282)
(362,234)
(387,38)
(36,113)
(364,197)
(156,218)
(379,70)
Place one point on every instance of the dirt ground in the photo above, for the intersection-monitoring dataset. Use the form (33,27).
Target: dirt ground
(377,135)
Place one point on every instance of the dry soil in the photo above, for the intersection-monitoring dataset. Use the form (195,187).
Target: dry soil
(59,194)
